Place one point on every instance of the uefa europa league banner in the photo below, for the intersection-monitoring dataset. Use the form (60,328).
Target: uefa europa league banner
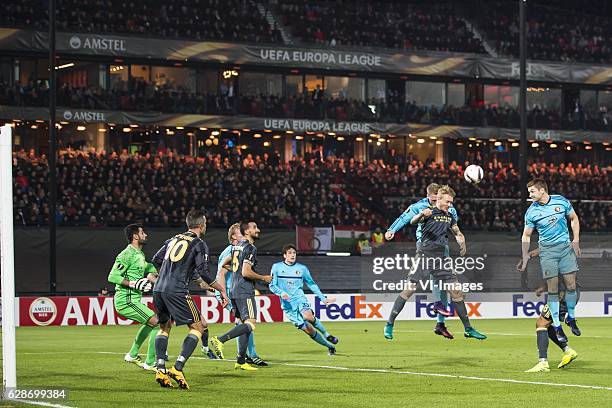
(338,58)
(99,311)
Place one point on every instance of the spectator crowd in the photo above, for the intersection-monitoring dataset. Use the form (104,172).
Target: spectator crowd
(566,31)
(112,189)
(142,96)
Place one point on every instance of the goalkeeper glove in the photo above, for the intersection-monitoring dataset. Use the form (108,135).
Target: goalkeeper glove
(142,284)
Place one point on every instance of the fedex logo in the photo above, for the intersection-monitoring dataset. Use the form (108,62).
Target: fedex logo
(607,303)
(423,308)
(357,308)
(526,308)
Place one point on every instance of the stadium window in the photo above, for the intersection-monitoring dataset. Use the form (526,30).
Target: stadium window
(118,77)
(174,78)
(255,83)
(544,98)
(426,93)
(605,99)
(312,81)
(207,81)
(455,95)
(294,85)
(501,96)
(6,71)
(345,87)
(377,88)
(588,99)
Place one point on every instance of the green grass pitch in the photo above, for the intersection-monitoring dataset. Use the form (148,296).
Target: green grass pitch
(368,370)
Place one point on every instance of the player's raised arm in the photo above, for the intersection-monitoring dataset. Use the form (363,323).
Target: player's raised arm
(460,239)
(401,221)
(312,284)
(421,216)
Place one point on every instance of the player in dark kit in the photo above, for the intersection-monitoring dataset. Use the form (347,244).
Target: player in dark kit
(180,260)
(436,224)
(242,293)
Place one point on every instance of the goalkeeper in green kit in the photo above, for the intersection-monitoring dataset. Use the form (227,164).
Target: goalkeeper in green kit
(133,276)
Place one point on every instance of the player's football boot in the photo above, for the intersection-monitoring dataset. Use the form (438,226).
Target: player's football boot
(256,361)
(331,351)
(245,367)
(134,360)
(389,331)
(573,326)
(560,334)
(441,330)
(473,333)
(440,308)
(216,346)
(541,367)
(569,355)
(332,339)
(208,353)
(179,377)
(162,378)
(147,367)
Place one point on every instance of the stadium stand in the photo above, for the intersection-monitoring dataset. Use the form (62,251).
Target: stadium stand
(111,189)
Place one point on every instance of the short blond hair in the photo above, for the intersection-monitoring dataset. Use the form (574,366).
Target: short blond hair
(447,190)
(232,229)
(433,188)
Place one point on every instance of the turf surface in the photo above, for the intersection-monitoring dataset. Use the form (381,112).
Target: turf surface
(367,371)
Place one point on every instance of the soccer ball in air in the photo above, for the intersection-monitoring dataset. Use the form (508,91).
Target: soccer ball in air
(473,174)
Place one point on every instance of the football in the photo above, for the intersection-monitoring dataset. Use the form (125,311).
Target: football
(473,174)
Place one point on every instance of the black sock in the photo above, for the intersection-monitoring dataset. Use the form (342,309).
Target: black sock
(235,332)
(462,313)
(398,305)
(243,344)
(205,337)
(553,336)
(189,344)
(161,345)
(542,343)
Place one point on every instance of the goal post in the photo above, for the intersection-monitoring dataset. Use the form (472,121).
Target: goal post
(7,260)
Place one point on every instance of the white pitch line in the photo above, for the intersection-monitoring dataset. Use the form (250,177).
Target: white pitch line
(414,373)
(40,403)
(501,334)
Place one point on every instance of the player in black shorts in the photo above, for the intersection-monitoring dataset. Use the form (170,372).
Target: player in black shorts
(545,329)
(180,260)
(242,293)
(436,223)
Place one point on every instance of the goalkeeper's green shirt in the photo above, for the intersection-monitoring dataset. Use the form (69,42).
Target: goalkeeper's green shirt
(132,265)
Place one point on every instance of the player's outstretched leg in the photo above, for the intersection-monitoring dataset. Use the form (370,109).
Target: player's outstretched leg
(569,354)
(398,305)
(318,337)
(216,343)
(241,360)
(461,311)
(161,345)
(309,316)
(542,340)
